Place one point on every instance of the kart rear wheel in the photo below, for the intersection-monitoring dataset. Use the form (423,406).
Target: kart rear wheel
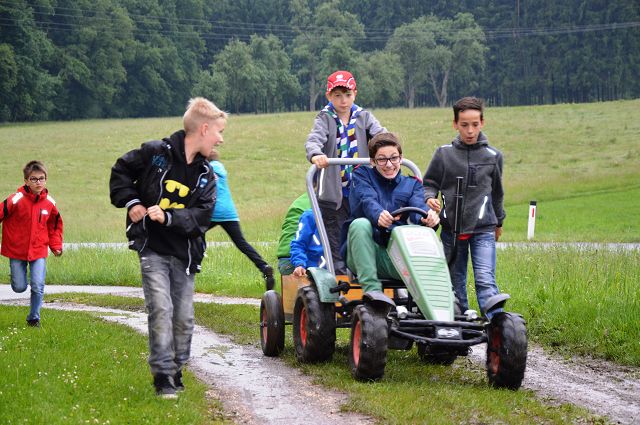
(368,344)
(314,327)
(506,350)
(271,324)
(435,355)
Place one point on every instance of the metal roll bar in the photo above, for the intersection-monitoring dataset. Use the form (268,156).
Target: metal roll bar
(322,231)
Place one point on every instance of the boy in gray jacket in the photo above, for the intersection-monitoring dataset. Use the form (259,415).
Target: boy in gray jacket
(471,157)
(342,129)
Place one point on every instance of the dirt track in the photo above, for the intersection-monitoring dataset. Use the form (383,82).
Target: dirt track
(261,390)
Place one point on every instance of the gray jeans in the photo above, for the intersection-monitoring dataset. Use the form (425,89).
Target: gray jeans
(168,297)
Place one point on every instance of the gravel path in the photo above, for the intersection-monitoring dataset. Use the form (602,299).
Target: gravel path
(255,389)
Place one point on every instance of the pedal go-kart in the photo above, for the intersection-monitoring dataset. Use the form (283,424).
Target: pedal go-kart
(420,309)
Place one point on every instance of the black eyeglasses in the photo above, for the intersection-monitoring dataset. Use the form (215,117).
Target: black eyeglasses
(383,161)
(37,179)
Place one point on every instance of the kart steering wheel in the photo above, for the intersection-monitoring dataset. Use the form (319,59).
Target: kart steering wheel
(405,211)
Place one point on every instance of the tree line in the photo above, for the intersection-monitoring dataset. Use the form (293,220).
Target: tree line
(70,59)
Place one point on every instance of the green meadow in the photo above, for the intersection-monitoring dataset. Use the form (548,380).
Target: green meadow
(579,162)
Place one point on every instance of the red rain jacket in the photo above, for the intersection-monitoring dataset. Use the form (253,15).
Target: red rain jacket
(30,225)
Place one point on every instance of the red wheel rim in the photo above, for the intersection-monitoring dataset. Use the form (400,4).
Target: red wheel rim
(356,338)
(265,331)
(494,351)
(303,327)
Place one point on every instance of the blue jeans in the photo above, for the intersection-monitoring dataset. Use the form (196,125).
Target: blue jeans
(38,271)
(168,297)
(483,259)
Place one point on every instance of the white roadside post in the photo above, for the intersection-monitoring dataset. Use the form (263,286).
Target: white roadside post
(532,220)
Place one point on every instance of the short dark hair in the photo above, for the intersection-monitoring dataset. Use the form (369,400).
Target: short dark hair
(383,139)
(342,89)
(468,103)
(33,166)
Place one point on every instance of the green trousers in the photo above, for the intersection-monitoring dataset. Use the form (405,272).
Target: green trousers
(366,258)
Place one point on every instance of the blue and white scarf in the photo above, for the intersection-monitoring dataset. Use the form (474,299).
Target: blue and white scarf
(346,142)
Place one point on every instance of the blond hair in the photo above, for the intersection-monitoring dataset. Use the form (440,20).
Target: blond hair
(200,110)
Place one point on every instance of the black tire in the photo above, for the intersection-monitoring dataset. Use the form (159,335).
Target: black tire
(314,327)
(436,355)
(368,344)
(271,324)
(506,350)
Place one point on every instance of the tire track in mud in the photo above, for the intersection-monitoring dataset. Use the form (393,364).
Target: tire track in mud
(603,388)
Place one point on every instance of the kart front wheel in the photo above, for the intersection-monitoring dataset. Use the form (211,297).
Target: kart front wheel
(314,327)
(506,350)
(368,344)
(271,324)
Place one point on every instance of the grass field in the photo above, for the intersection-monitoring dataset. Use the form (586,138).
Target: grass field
(579,162)
(80,370)
(584,154)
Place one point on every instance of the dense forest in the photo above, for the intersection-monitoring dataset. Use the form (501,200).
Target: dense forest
(70,59)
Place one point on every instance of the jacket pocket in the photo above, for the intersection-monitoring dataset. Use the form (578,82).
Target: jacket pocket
(136,235)
(486,214)
(198,246)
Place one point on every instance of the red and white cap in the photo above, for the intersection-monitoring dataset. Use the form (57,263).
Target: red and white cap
(341,79)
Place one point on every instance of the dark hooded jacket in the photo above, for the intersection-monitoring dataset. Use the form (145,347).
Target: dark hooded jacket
(157,174)
(480,166)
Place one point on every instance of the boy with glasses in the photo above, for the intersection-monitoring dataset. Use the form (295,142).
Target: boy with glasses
(376,191)
(342,129)
(31,225)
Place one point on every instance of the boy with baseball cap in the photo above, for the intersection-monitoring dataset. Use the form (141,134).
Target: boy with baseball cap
(342,129)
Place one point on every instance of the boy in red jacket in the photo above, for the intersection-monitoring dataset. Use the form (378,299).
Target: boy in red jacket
(31,225)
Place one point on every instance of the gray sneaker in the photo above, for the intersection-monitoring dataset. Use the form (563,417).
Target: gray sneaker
(165,387)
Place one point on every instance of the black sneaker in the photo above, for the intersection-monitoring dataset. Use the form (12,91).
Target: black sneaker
(267,274)
(34,323)
(164,386)
(177,381)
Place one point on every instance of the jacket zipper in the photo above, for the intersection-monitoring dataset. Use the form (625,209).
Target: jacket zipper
(144,223)
(195,189)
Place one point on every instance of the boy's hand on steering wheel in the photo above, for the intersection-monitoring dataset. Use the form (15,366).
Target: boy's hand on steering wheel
(386,219)
(432,218)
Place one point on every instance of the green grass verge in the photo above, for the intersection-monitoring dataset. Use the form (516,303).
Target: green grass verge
(552,153)
(78,369)
(411,392)
(576,301)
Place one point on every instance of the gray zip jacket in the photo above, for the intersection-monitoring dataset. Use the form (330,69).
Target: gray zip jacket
(322,141)
(480,165)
